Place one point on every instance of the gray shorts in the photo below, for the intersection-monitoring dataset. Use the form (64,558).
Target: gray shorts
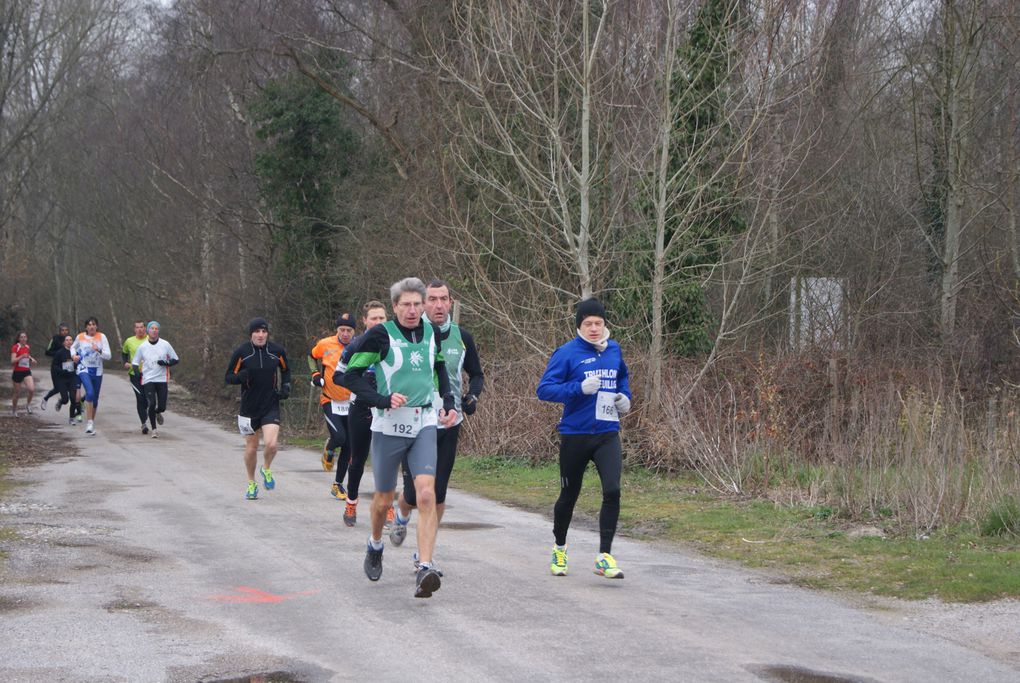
(388,451)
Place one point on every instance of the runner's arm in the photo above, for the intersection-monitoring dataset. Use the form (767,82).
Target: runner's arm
(556,385)
(235,373)
(106,353)
(364,352)
(472,365)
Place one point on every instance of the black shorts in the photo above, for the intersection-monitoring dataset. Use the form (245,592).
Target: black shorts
(270,417)
(18,376)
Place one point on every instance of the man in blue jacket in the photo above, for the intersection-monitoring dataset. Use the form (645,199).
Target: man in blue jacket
(588,376)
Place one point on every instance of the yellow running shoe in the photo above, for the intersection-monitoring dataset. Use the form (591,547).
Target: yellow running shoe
(605,565)
(559,561)
(327,459)
(338,491)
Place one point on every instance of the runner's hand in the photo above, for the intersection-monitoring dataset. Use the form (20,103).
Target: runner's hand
(317,380)
(469,404)
(243,376)
(622,404)
(397,400)
(447,418)
(590,385)
(284,392)
(161,362)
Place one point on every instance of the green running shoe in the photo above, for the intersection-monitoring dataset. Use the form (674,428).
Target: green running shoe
(267,478)
(559,561)
(253,491)
(605,566)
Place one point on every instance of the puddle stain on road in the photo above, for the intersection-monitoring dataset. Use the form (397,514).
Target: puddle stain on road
(271,677)
(795,674)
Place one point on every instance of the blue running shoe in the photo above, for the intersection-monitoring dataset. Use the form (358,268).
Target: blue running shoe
(267,478)
(253,491)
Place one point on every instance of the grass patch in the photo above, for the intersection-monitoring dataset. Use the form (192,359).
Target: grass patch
(809,545)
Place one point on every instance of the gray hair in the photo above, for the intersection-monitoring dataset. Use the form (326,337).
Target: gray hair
(408,284)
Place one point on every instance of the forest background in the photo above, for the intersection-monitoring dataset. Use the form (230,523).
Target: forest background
(802,216)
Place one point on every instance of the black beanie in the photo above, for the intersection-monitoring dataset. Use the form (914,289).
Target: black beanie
(346,320)
(589,307)
(258,324)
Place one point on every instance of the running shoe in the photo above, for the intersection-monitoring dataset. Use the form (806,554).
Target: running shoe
(417,564)
(426,582)
(71,421)
(42,403)
(388,524)
(605,566)
(267,478)
(338,491)
(327,459)
(398,531)
(155,434)
(559,561)
(79,417)
(159,418)
(28,408)
(351,513)
(253,491)
(90,428)
(373,563)
(145,429)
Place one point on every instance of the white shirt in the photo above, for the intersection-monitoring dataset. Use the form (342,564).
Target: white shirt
(92,351)
(147,357)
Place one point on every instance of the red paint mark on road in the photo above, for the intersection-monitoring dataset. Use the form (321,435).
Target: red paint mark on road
(249,594)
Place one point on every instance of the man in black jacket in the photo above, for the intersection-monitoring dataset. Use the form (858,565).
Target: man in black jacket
(254,366)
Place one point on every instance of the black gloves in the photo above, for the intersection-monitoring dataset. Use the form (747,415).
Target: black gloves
(243,376)
(318,380)
(284,392)
(469,404)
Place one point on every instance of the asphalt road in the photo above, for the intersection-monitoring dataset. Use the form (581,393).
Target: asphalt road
(142,561)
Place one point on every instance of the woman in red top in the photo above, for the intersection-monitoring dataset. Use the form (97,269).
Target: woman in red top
(22,375)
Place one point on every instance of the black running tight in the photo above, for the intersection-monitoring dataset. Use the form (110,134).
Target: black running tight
(576,450)
(155,397)
(359,440)
(338,440)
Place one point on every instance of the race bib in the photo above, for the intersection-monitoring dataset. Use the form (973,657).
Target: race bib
(605,407)
(244,425)
(341,407)
(67,366)
(23,363)
(405,422)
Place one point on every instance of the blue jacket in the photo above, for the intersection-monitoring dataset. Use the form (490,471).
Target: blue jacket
(561,383)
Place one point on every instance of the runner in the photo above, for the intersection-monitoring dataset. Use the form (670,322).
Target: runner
(359,422)
(90,349)
(254,366)
(56,343)
(588,376)
(127,354)
(334,400)
(21,375)
(460,355)
(152,362)
(409,359)
(64,380)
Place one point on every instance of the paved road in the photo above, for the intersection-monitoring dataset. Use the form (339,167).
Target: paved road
(141,561)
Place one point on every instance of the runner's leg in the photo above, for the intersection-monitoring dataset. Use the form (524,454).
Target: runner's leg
(574,455)
(608,458)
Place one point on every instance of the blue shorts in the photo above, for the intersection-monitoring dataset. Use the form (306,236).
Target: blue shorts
(92,383)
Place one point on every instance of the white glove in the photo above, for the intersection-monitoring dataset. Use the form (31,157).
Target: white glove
(590,385)
(622,404)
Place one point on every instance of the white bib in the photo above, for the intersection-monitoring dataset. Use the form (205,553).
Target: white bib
(406,421)
(341,407)
(605,407)
(244,425)
(67,366)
